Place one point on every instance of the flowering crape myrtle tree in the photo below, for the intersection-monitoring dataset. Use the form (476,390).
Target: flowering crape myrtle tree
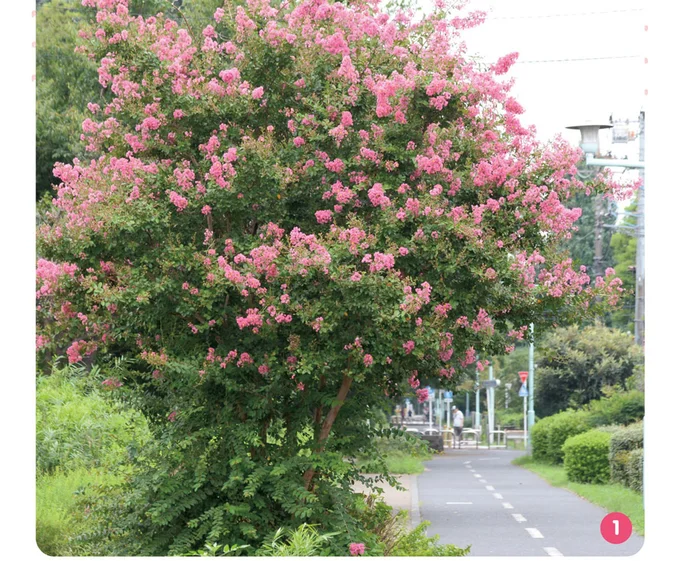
(289,215)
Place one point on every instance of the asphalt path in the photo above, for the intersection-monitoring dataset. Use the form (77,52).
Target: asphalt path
(478,498)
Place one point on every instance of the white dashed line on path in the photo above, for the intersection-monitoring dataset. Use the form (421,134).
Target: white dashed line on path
(477,475)
(519,517)
(534,533)
(490,488)
(473,470)
(497,496)
(482,480)
(507,505)
(553,552)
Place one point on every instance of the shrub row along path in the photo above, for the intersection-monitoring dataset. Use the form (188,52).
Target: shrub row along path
(478,497)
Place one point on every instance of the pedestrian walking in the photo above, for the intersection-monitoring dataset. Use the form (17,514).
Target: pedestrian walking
(458,422)
(403,415)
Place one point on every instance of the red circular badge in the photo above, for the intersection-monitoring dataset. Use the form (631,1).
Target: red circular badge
(616,527)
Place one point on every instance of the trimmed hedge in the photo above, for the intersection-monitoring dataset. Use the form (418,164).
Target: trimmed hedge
(635,469)
(539,439)
(549,435)
(586,457)
(623,443)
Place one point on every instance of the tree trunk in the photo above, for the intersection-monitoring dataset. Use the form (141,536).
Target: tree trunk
(327,425)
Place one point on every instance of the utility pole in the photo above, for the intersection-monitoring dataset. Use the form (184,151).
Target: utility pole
(640,248)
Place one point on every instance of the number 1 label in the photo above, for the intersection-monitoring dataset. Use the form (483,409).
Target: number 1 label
(616,527)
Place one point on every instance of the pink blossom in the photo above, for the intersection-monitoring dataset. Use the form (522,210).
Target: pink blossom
(178,200)
(356,277)
(356,548)
(258,92)
(368,360)
(323,216)
(409,346)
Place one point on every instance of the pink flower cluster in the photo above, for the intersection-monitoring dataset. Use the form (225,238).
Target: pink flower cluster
(49,273)
(357,548)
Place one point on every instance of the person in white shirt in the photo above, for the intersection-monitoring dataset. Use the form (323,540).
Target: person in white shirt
(458,422)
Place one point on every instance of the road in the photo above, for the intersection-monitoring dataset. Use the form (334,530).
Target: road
(478,498)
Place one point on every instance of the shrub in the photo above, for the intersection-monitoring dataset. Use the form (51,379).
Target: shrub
(540,434)
(635,469)
(305,541)
(620,408)
(512,419)
(564,425)
(417,543)
(623,442)
(586,457)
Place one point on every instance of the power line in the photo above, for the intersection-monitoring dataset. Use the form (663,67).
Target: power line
(577,59)
(537,16)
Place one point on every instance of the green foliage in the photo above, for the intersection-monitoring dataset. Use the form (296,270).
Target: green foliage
(540,433)
(417,543)
(564,425)
(624,248)
(304,541)
(635,469)
(215,550)
(549,434)
(65,83)
(623,442)
(620,408)
(586,457)
(576,365)
(509,418)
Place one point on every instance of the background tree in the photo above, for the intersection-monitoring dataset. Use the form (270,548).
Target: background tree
(289,216)
(576,364)
(65,83)
(624,249)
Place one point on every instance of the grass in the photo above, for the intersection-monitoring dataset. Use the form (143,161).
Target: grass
(612,496)
(403,464)
(56,496)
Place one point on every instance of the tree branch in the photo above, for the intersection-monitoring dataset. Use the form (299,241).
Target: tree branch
(328,424)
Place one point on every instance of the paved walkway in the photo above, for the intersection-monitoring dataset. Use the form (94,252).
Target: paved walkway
(478,497)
